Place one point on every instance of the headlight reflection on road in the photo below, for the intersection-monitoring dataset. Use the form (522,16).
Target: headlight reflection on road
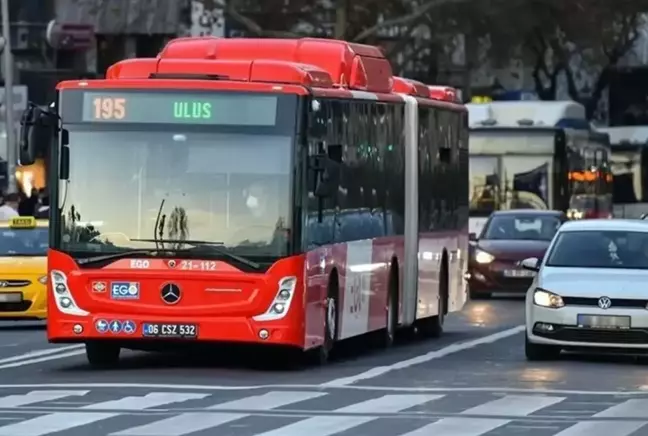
(541,378)
(479,314)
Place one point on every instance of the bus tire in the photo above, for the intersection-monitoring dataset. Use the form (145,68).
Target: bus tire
(322,354)
(432,327)
(102,355)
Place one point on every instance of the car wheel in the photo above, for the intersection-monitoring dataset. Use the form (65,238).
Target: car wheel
(102,355)
(538,352)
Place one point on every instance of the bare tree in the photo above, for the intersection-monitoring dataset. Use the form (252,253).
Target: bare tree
(596,32)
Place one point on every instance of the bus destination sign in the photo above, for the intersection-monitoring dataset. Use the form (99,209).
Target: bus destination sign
(213,108)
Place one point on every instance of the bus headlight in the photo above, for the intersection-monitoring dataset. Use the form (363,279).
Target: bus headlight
(281,302)
(62,296)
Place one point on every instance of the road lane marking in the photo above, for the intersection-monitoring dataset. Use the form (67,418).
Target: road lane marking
(39,353)
(602,428)
(60,421)
(440,389)
(270,400)
(389,403)
(42,359)
(34,397)
(514,405)
(330,425)
(459,427)
(187,423)
(432,355)
(631,408)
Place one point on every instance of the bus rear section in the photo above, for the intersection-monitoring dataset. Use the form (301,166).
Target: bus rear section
(234,198)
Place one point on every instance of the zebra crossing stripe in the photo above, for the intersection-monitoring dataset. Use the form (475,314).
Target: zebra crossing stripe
(187,423)
(34,397)
(460,427)
(270,400)
(183,424)
(60,421)
(330,425)
(389,403)
(602,428)
(513,405)
(635,408)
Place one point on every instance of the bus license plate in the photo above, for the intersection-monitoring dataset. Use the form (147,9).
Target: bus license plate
(173,331)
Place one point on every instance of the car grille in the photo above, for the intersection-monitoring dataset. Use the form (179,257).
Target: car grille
(14,283)
(568,334)
(15,307)
(616,302)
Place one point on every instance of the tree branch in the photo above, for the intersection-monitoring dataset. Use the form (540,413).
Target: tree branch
(251,25)
(408,20)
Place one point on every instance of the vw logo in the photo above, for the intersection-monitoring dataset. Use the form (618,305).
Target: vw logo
(604,302)
(170,293)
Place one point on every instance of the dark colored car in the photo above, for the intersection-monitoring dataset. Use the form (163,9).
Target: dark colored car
(507,238)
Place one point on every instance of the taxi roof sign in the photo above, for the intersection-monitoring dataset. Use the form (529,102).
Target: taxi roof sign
(22,222)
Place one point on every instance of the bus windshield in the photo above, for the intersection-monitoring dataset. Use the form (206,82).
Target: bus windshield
(23,242)
(179,184)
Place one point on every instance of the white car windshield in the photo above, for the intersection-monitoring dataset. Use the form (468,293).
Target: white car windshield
(600,249)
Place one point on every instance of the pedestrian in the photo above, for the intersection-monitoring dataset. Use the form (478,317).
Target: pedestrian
(9,209)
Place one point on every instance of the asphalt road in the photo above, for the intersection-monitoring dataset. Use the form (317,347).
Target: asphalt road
(472,382)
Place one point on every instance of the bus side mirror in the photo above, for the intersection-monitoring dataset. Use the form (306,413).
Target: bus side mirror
(35,134)
(326,166)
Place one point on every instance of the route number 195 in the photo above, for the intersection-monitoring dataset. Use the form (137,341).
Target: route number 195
(107,108)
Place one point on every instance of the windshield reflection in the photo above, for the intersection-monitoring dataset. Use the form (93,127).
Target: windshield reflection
(213,187)
(23,242)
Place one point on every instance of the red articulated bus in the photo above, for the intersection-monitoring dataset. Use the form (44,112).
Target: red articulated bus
(282,192)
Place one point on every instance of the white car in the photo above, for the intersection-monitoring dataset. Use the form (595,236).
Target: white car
(590,290)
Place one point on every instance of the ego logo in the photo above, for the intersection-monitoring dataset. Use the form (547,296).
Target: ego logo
(124,290)
(140,264)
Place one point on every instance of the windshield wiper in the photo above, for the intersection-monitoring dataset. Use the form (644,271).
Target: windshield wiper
(213,246)
(120,255)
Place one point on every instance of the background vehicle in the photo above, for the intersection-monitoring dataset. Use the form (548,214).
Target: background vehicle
(23,268)
(589,291)
(507,238)
(219,204)
(540,155)
(629,166)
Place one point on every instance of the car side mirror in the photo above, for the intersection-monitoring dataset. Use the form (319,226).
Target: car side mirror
(472,236)
(531,263)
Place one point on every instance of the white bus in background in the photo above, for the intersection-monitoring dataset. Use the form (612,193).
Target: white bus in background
(536,154)
(629,165)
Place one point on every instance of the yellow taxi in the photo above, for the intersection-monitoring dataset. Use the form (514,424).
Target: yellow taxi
(23,268)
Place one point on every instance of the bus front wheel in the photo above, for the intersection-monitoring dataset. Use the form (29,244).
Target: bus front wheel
(102,354)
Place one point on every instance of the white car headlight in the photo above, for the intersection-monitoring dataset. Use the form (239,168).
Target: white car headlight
(483,257)
(547,299)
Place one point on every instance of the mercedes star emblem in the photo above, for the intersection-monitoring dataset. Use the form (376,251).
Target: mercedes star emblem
(170,293)
(604,302)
